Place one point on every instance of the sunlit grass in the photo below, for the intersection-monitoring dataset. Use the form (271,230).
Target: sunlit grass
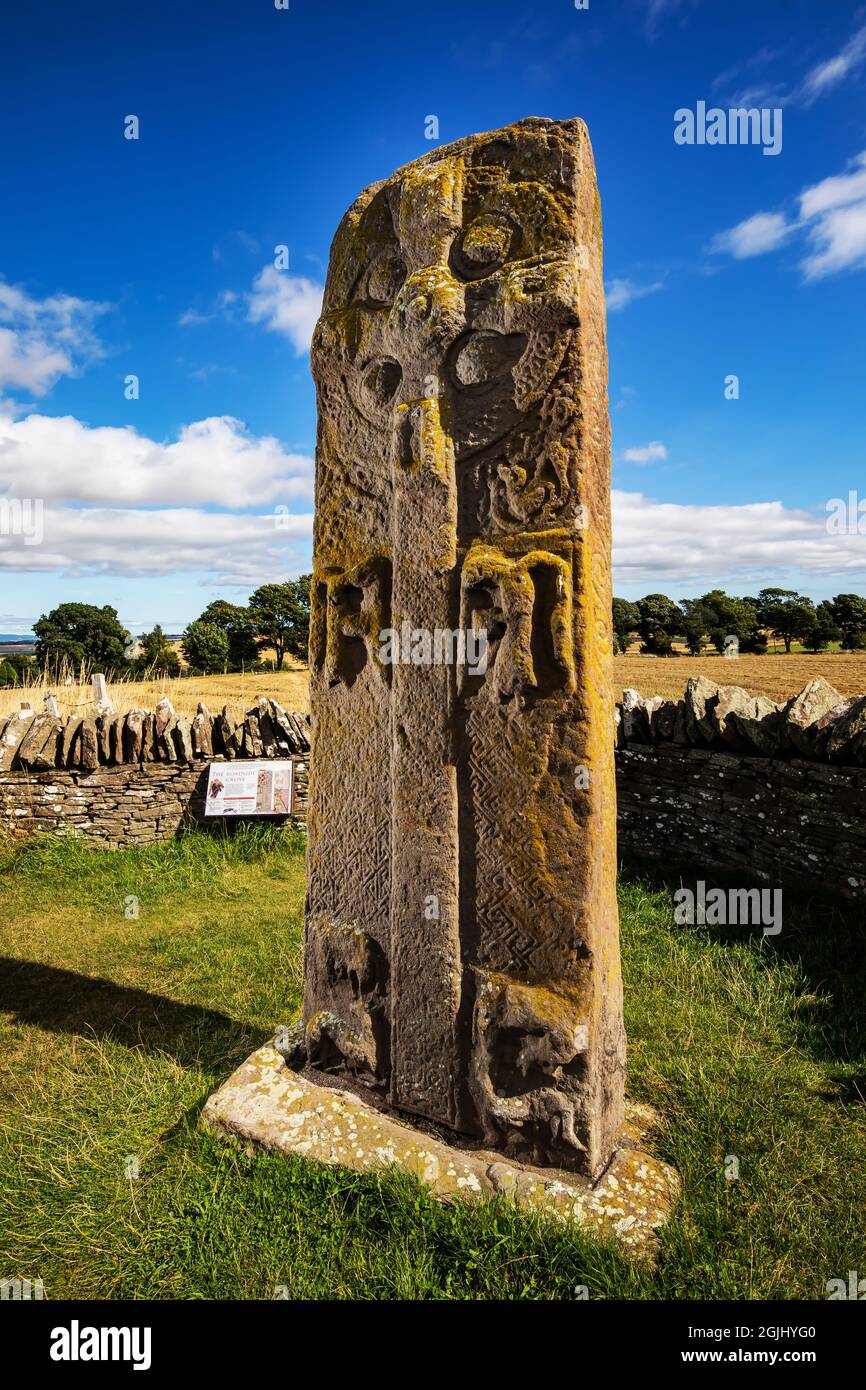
(113,1031)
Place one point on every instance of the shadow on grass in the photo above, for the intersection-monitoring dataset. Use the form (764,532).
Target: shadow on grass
(823,936)
(63,1001)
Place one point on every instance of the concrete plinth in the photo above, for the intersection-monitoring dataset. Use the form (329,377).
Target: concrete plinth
(266,1103)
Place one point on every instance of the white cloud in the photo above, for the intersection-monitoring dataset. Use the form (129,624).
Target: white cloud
(832,216)
(648,453)
(763,232)
(42,340)
(619,293)
(840,242)
(117,502)
(286,304)
(233,549)
(213,462)
(832,71)
(836,210)
(657,541)
(220,307)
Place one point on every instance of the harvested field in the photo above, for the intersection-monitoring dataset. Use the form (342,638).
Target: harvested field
(776,676)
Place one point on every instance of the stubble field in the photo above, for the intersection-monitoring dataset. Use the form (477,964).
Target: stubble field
(777,676)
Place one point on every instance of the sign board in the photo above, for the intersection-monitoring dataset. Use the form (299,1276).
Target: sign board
(251,788)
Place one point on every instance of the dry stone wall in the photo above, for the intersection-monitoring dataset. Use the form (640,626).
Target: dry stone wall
(720,779)
(725,780)
(132,778)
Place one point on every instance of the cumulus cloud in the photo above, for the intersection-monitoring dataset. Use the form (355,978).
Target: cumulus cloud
(647,453)
(281,303)
(658,541)
(286,304)
(232,548)
(831,216)
(116,502)
(619,293)
(214,462)
(42,340)
(753,237)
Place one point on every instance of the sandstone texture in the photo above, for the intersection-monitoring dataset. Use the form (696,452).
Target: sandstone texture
(462,955)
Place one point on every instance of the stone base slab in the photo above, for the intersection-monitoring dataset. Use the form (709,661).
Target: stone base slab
(266,1103)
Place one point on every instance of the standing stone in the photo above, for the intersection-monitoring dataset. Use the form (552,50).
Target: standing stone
(462,951)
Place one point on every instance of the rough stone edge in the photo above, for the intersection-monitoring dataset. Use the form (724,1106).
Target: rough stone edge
(266,1104)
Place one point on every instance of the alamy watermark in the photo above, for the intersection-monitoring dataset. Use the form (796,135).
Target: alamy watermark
(852,1288)
(21,1290)
(738,126)
(732,907)
(22,516)
(846,516)
(438,646)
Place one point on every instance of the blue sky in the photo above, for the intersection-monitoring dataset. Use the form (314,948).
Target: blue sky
(259,126)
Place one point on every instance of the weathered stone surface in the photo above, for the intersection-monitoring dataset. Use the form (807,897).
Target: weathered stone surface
(14,732)
(267,1104)
(804,712)
(847,737)
(89,743)
(252,746)
(70,737)
(227,733)
(182,736)
(465,826)
(37,750)
(635,718)
(701,695)
(742,720)
(133,736)
(202,733)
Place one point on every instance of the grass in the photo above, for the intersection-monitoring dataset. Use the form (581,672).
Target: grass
(114,1030)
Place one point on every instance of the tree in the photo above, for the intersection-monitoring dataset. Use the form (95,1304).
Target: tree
(849,614)
(786,613)
(626,620)
(22,665)
(660,621)
(157,654)
(81,634)
(206,647)
(733,617)
(697,624)
(8,674)
(239,626)
(823,630)
(281,613)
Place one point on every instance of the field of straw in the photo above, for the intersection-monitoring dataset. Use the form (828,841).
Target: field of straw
(239,691)
(777,676)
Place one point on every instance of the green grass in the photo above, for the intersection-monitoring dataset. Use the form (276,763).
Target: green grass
(113,1031)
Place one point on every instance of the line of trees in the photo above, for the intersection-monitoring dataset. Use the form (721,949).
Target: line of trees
(712,620)
(226,637)
(231,637)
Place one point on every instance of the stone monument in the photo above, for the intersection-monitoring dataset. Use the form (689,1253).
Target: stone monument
(462,951)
